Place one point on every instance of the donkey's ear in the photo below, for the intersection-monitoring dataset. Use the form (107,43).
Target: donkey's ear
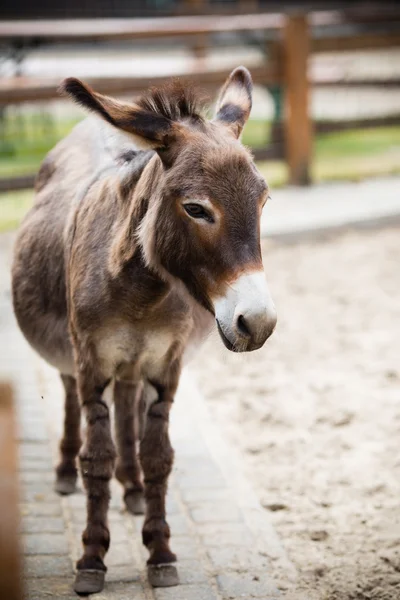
(150,129)
(234,102)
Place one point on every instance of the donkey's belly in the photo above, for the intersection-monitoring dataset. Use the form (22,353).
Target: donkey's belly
(38,286)
(56,349)
(48,335)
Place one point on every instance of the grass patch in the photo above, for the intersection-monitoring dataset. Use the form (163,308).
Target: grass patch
(25,141)
(347,155)
(13,207)
(256,133)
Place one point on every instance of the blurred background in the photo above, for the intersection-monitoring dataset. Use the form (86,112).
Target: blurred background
(327,75)
(316,413)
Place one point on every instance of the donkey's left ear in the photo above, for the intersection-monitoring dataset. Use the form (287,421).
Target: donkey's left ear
(234,102)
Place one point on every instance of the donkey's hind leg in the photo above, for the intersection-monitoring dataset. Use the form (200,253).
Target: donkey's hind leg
(127,397)
(66,472)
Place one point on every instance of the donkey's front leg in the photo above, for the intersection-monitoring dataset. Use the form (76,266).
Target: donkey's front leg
(97,458)
(128,472)
(156,455)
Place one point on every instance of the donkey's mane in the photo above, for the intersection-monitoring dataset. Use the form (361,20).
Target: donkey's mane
(173,100)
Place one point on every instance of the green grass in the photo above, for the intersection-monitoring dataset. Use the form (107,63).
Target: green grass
(256,133)
(24,142)
(13,206)
(349,155)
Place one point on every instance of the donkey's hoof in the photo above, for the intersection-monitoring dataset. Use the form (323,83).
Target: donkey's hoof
(65,485)
(162,575)
(134,502)
(89,581)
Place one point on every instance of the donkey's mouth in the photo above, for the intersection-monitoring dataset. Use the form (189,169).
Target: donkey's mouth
(227,343)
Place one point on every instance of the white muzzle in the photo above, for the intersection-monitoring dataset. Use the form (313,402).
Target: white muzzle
(246,315)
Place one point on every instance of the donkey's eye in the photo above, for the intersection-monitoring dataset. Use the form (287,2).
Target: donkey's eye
(197,211)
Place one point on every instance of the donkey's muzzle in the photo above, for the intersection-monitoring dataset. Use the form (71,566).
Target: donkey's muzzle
(246,315)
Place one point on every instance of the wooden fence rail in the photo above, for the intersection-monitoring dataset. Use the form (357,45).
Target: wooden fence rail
(289,42)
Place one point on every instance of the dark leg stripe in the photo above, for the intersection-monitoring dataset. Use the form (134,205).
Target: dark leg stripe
(98,477)
(97,418)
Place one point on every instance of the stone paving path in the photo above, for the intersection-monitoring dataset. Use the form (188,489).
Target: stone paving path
(305,211)
(226,547)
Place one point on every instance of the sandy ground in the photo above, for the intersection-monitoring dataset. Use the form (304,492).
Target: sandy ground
(316,412)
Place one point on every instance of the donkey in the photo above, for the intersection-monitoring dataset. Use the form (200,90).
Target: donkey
(145,233)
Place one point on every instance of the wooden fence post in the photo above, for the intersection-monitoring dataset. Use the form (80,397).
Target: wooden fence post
(298,126)
(10,561)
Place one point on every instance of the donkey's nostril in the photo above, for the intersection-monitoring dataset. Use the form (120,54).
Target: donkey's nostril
(243,327)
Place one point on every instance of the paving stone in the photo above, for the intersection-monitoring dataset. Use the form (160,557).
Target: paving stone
(202,466)
(172,505)
(178,525)
(184,462)
(42,525)
(34,476)
(237,559)
(116,501)
(126,574)
(38,509)
(120,533)
(213,512)
(38,451)
(137,522)
(241,538)
(186,592)
(199,475)
(185,547)
(78,516)
(191,572)
(40,486)
(39,492)
(27,463)
(121,591)
(191,446)
(46,565)
(199,495)
(117,516)
(46,543)
(119,554)
(203,481)
(77,500)
(240,585)
(32,431)
(50,588)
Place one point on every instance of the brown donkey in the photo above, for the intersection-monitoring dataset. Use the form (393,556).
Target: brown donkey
(144,233)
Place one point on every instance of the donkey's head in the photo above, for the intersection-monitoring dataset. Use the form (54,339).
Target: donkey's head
(202,225)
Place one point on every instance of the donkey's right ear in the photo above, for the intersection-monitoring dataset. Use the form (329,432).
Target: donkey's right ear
(234,103)
(151,130)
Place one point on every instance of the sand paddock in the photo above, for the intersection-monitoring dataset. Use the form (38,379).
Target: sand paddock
(316,412)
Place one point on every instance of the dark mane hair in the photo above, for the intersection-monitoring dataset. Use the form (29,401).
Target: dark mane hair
(174,100)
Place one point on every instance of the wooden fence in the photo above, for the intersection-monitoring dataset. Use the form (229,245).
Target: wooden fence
(288,42)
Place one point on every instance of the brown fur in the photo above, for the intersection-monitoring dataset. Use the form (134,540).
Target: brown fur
(112,279)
